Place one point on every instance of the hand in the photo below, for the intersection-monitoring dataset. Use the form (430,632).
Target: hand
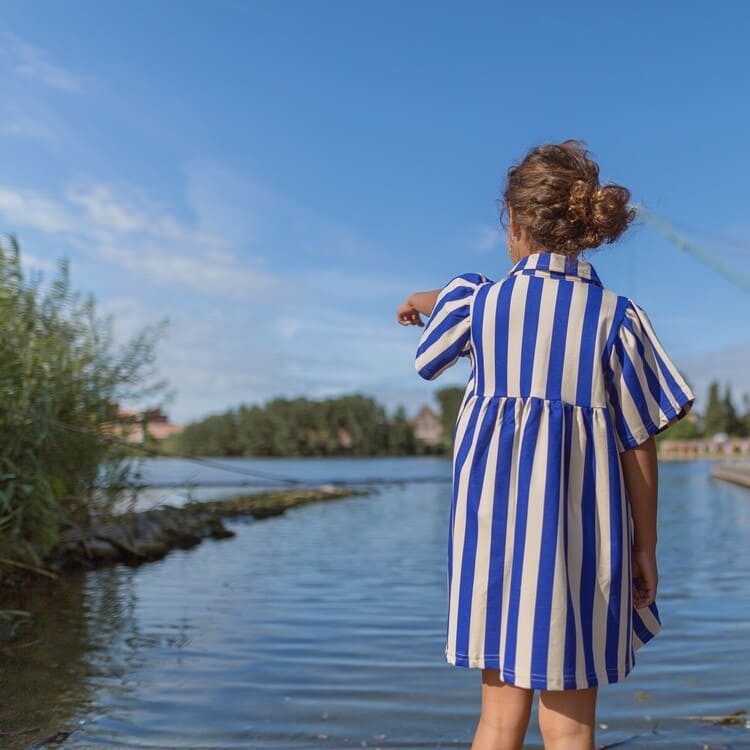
(408,316)
(644,569)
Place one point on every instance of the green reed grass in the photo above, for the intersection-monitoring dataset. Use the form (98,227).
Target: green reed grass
(61,377)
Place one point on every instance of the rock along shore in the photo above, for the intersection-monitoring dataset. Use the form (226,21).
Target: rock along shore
(149,535)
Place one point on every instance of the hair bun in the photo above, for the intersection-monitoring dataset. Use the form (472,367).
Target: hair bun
(556,196)
(579,202)
(610,214)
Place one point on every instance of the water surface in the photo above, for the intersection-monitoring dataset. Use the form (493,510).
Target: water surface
(324,628)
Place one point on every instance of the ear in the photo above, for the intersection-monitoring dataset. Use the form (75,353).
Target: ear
(512,222)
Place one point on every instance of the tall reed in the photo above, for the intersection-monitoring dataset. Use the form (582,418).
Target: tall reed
(61,378)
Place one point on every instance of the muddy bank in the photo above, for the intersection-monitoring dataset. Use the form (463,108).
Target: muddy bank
(149,535)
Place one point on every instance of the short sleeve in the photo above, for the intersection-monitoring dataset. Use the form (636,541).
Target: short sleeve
(645,390)
(446,335)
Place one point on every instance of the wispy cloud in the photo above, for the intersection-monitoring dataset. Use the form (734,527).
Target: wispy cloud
(244,208)
(485,239)
(264,297)
(31,62)
(23,125)
(120,226)
(34,263)
(31,208)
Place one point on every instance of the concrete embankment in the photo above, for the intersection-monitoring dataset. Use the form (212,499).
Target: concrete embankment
(735,473)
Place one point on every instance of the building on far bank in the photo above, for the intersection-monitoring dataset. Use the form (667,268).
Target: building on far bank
(136,426)
(719,445)
(428,429)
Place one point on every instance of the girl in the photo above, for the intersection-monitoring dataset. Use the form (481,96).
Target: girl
(552,570)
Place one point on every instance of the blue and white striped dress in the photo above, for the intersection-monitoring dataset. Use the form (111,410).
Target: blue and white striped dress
(565,374)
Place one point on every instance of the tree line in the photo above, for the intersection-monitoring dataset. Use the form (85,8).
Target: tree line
(357,425)
(720,415)
(352,425)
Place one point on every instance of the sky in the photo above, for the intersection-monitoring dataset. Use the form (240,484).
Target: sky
(274,178)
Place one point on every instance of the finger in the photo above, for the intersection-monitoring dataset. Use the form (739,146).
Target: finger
(643,601)
(649,591)
(646,593)
(637,596)
(639,600)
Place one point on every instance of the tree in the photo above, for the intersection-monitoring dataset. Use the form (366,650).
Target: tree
(734,422)
(401,441)
(716,418)
(745,418)
(353,424)
(449,399)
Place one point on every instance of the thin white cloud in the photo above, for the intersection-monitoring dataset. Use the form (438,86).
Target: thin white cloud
(31,62)
(261,216)
(121,227)
(202,274)
(254,311)
(486,239)
(22,125)
(32,208)
(103,208)
(34,263)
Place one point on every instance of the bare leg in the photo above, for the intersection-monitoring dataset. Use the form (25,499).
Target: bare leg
(505,714)
(566,718)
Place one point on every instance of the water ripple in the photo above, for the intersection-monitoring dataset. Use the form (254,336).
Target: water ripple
(324,627)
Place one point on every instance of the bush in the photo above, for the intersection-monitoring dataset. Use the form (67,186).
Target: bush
(61,377)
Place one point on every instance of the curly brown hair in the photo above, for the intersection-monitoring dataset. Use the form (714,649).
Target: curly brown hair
(555,194)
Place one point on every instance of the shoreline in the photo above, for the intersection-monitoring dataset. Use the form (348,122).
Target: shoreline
(143,536)
(735,473)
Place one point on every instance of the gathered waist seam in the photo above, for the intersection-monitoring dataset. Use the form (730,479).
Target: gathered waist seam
(562,401)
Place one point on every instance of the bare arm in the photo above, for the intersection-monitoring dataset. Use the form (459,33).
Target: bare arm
(640,471)
(419,302)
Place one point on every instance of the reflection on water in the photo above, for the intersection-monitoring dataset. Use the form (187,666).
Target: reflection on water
(324,627)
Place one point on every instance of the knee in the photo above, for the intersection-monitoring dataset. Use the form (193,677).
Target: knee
(504,723)
(567,719)
(565,736)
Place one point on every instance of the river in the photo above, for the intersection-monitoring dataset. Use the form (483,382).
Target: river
(324,628)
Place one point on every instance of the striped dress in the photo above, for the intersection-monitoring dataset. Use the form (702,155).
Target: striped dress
(565,375)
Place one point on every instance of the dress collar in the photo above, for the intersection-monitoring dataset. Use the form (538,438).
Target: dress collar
(556,265)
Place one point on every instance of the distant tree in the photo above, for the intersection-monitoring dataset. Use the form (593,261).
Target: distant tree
(745,416)
(449,400)
(401,440)
(735,424)
(215,435)
(716,418)
(347,425)
(682,430)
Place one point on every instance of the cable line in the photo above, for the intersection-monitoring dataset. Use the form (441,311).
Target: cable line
(704,256)
(255,473)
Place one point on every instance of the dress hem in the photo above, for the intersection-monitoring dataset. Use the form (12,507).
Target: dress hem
(537,681)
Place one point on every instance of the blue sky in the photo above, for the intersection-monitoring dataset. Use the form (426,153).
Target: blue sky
(276,177)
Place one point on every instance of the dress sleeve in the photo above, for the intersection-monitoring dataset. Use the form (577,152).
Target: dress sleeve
(646,392)
(446,335)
